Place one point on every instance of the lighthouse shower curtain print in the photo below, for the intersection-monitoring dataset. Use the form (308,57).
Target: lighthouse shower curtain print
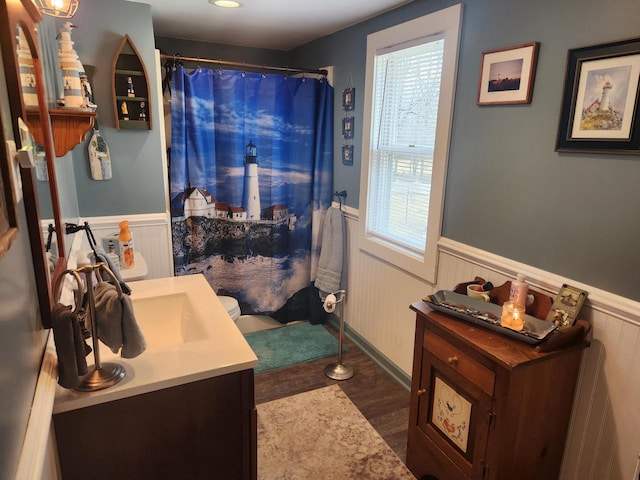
(250,180)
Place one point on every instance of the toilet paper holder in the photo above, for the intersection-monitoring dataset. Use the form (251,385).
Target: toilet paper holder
(337,370)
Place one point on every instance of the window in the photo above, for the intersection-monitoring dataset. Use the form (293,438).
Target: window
(410,82)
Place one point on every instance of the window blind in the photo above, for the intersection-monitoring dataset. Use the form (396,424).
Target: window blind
(405,110)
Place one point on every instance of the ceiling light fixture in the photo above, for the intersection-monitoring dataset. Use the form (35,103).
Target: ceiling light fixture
(58,8)
(225,3)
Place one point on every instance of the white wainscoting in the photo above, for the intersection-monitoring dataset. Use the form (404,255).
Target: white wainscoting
(604,437)
(151,236)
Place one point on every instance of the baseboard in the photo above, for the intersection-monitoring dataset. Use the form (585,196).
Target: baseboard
(401,377)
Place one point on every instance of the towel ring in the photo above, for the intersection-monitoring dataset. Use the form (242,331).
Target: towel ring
(78,292)
(102,266)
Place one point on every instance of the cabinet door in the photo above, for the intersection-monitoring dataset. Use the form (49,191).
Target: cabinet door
(454,413)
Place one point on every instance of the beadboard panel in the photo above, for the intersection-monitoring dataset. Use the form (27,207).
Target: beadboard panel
(604,435)
(151,236)
(378,299)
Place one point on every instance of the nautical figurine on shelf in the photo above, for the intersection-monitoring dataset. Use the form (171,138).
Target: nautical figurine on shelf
(27,73)
(71,68)
(87,93)
(130,91)
(143,115)
(125,111)
(99,156)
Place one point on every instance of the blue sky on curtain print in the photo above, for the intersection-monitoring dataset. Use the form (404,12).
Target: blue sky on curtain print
(271,111)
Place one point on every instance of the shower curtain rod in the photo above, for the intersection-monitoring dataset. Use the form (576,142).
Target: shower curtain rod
(176,57)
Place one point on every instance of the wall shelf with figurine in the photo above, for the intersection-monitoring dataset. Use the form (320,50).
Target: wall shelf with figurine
(130,85)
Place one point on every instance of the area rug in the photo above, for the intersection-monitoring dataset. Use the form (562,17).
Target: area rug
(291,344)
(321,435)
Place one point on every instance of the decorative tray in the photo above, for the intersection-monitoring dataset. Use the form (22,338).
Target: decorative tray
(487,315)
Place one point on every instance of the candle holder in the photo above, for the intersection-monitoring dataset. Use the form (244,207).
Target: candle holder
(512,316)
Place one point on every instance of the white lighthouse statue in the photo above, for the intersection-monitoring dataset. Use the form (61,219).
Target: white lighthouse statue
(251,192)
(605,103)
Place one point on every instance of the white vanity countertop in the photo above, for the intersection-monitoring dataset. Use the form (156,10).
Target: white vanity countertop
(222,350)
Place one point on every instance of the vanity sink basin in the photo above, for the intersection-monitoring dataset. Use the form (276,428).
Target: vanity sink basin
(168,320)
(189,335)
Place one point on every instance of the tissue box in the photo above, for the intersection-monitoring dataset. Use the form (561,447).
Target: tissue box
(110,243)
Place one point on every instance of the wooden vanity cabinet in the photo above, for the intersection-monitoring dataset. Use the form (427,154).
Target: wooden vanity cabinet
(202,429)
(484,406)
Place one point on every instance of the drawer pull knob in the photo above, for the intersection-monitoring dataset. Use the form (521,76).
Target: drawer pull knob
(422,391)
(452,360)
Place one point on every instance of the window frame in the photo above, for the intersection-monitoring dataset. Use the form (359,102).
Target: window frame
(446,23)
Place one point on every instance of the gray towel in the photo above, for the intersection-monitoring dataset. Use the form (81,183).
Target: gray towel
(116,322)
(101,256)
(70,347)
(331,253)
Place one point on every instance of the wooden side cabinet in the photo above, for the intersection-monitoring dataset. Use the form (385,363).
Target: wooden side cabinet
(484,406)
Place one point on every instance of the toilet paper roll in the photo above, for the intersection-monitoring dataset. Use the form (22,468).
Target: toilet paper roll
(329,304)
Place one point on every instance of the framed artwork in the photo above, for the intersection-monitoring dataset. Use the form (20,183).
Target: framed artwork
(347,154)
(506,75)
(347,127)
(600,99)
(451,414)
(8,216)
(566,306)
(348,98)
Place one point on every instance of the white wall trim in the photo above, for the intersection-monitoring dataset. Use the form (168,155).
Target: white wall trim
(599,300)
(37,438)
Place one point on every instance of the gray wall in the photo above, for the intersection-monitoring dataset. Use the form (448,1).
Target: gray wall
(216,51)
(508,191)
(137,183)
(21,335)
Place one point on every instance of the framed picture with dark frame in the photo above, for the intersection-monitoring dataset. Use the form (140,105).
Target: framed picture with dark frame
(600,99)
(347,127)
(347,154)
(348,99)
(507,75)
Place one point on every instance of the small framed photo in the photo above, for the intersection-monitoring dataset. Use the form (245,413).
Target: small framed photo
(348,99)
(600,99)
(347,127)
(347,154)
(507,75)
(566,306)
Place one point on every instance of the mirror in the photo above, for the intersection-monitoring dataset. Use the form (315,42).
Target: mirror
(48,31)
(27,99)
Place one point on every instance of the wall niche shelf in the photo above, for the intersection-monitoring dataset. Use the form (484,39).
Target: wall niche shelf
(130,85)
(69,127)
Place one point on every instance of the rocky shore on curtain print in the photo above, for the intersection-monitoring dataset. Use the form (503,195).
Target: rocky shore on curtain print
(197,238)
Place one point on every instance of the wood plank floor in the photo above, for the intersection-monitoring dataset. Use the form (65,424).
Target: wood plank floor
(380,398)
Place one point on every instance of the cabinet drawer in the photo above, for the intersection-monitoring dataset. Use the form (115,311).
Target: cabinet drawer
(462,363)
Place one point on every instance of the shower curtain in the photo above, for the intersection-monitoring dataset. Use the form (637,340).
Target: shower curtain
(250,180)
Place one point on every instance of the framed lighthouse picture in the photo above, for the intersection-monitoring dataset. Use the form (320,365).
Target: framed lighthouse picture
(600,102)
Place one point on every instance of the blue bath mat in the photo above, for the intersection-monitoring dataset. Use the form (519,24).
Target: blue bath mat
(291,344)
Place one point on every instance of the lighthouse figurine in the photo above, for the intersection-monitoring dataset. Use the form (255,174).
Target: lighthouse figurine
(71,68)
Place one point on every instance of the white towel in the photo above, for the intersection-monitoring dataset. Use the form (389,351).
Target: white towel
(331,253)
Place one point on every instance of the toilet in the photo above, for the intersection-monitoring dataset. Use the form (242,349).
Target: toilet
(231,306)
(247,323)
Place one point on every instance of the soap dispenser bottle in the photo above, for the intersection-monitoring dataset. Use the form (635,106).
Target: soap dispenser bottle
(518,292)
(126,244)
